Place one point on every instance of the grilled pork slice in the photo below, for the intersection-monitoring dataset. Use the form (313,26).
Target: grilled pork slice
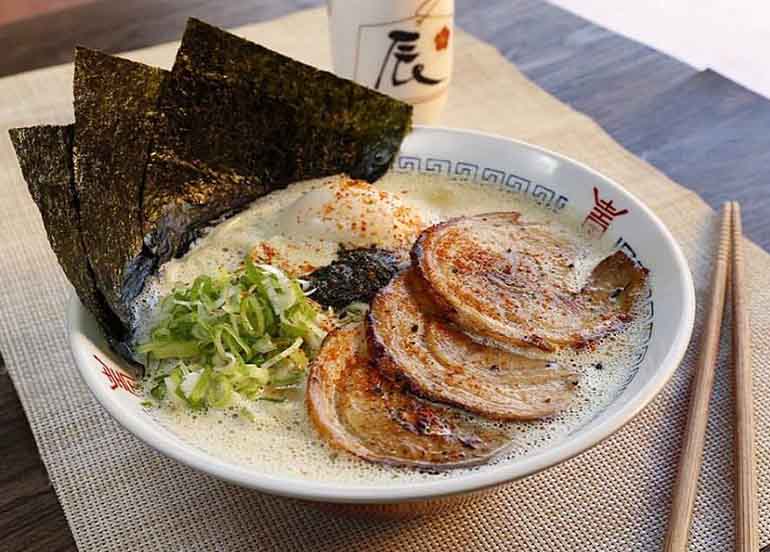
(510,281)
(441,363)
(354,408)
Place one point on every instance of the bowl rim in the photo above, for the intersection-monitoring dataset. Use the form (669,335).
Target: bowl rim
(413,491)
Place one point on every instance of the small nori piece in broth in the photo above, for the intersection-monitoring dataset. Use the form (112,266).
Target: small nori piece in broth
(356,275)
(115,100)
(45,157)
(238,121)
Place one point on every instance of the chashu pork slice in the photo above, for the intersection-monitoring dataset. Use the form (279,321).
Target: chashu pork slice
(356,409)
(510,281)
(439,362)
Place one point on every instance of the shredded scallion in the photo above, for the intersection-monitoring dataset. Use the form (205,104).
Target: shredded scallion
(236,337)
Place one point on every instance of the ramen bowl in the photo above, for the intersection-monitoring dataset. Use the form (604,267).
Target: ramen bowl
(607,211)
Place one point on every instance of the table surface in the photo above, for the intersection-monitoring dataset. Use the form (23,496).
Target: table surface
(701,129)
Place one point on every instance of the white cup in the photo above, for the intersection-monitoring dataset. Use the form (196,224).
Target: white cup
(403,48)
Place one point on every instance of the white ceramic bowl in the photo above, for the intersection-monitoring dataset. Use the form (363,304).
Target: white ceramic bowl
(548,178)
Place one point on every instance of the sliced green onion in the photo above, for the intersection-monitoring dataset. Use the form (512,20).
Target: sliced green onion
(159,391)
(172,349)
(198,393)
(283,354)
(226,339)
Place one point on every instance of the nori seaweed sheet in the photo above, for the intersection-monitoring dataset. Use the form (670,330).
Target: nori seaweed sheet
(238,120)
(45,157)
(356,275)
(114,103)
(342,126)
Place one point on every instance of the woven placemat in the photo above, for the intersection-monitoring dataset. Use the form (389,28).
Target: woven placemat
(118,494)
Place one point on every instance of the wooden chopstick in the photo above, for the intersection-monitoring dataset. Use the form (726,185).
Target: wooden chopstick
(746,536)
(700,393)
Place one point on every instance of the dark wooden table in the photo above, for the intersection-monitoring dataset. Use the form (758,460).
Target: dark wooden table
(703,130)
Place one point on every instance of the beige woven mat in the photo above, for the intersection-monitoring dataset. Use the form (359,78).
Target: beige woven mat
(120,495)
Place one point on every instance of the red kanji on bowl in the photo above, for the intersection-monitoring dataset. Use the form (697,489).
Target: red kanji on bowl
(119,379)
(601,216)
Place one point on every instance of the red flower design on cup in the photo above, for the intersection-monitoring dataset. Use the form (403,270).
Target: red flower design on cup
(442,38)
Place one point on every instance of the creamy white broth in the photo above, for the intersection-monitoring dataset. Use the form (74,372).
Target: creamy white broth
(303,227)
